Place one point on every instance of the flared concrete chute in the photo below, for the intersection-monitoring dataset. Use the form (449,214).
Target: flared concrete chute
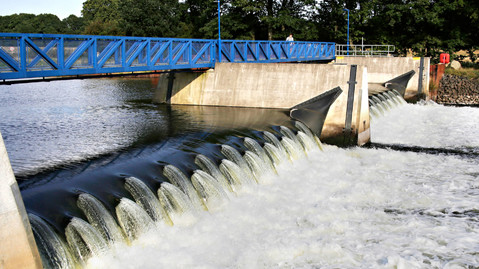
(313,112)
(389,71)
(399,83)
(376,88)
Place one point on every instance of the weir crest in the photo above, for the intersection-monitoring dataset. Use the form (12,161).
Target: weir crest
(238,164)
(177,202)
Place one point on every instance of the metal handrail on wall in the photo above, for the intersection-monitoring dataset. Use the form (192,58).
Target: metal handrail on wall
(44,55)
(365,50)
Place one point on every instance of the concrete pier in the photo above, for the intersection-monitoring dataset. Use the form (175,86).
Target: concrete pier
(17,244)
(278,86)
(382,69)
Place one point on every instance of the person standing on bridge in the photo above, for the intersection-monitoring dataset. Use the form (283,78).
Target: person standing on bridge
(290,39)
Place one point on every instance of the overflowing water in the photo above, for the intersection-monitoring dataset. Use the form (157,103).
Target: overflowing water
(279,199)
(342,208)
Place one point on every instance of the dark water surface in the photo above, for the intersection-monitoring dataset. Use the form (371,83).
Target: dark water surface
(51,125)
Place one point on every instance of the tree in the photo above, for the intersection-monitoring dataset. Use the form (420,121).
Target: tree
(149,17)
(425,27)
(48,24)
(74,24)
(278,18)
(30,23)
(18,23)
(101,17)
(200,18)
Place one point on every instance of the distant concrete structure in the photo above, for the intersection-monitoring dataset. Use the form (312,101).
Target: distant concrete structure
(382,69)
(277,86)
(17,244)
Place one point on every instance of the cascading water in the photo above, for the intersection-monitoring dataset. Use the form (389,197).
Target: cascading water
(255,147)
(382,102)
(84,240)
(175,202)
(146,199)
(407,201)
(209,189)
(258,166)
(234,156)
(342,208)
(133,219)
(53,250)
(178,202)
(181,181)
(209,167)
(273,140)
(99,217)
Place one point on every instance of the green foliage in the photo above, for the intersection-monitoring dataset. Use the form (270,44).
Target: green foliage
(29,23)
(74,24)
(423,27)
(100,10)
(155,18)
(102,17)
(42,24)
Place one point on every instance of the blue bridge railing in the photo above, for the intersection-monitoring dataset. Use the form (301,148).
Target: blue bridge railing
(44,55)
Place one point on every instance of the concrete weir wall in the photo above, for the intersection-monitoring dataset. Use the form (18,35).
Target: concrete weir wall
(281,85)
(382,69)
(17,245)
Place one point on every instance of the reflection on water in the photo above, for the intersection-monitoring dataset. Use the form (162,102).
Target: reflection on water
(48,125)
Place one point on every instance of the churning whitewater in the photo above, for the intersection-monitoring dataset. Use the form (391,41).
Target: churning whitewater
(339,208)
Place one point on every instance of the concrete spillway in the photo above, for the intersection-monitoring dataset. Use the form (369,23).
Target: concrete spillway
(286,86)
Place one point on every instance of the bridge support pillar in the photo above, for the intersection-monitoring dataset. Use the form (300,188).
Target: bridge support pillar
(280,86)
(17,244)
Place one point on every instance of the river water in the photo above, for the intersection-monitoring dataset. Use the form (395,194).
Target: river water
(411,200)
(49,124)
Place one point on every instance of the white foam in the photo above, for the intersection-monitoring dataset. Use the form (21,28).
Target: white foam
(341,208)
(428,125)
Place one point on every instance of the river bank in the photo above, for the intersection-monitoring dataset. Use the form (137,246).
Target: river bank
(458,90)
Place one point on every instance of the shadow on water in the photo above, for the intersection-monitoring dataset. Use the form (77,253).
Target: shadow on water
(471,214)
(464,152)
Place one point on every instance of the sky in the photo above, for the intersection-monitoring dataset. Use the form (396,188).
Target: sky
(61,8)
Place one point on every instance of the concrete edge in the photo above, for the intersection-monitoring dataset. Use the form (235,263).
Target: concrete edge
(18,248)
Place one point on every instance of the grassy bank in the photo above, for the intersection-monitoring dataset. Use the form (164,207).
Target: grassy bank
(470,73)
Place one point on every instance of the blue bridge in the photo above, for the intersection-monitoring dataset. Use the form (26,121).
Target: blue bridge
(44,55)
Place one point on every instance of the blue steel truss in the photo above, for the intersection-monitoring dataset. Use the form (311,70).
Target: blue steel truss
(42,55)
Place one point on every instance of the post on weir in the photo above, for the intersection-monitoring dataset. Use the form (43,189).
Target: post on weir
(350,104)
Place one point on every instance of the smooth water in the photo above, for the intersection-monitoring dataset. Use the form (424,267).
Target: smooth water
(410,200)
(55,125)
(49,124)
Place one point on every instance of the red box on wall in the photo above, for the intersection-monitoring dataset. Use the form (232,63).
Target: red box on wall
(444,58)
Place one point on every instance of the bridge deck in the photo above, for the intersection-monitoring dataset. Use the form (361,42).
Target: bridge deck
(44,55)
